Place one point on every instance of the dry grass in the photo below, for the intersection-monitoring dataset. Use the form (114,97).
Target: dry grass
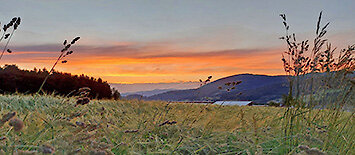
(54,123)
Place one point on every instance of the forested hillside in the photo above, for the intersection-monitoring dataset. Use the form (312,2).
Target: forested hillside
(13,79)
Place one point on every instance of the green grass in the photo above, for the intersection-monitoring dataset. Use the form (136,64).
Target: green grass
(200,129)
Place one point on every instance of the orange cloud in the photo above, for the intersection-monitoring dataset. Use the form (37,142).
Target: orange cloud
(146,63)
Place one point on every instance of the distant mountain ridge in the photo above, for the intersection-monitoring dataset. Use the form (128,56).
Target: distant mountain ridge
(258,88)
(148,93)
(129,89)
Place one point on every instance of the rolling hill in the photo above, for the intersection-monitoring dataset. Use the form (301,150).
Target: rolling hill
(148,93)
(258,88)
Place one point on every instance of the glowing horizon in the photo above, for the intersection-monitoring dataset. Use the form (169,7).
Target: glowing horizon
(151,68)
(166,41)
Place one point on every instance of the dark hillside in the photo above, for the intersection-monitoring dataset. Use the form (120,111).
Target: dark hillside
(259,88)
(13,79)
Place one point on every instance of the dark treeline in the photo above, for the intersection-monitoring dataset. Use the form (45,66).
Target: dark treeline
(13,79)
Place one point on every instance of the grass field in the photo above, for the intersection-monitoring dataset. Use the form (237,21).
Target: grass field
(55,124)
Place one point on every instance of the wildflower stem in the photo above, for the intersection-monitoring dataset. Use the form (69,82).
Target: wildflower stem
(2,37)
(52,69)
(7,43)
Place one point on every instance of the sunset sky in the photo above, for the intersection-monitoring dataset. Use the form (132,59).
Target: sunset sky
(168,40)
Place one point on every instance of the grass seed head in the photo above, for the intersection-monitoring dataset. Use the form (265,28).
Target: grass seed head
(81,124)
(5,27)
(46,149)
(3,138)
(168,122)
(303,147)
(74,40)
(16,123)
(13,20)
(21,152)
(130,131)
(7,36)
(82,101)
(84,89)
(18,21)
(315,151)
(7,116)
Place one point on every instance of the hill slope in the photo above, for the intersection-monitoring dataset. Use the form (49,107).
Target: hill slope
(259,88)
(148,93)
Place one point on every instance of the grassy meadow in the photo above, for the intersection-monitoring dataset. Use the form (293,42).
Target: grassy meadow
(313,121)
(55,124)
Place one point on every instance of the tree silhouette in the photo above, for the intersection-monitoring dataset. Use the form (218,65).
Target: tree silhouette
(13,79)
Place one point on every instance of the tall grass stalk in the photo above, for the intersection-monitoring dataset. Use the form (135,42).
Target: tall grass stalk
(14,23)
(318,79)
(64,52)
